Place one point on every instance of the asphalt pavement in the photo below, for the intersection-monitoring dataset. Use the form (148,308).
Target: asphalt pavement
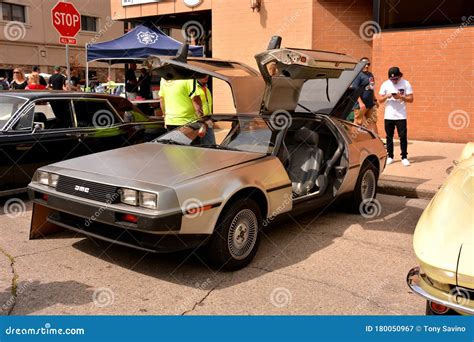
(334,263)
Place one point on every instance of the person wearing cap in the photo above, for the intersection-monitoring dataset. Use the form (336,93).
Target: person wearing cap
(365,112)
(396,92)
(56,81)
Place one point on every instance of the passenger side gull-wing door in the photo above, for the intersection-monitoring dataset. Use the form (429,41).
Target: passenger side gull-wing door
(246,83)
(287,70)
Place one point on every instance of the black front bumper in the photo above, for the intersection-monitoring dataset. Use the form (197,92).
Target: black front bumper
(149,234)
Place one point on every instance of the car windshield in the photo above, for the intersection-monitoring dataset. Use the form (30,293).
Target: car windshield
(246,134)
(8,106)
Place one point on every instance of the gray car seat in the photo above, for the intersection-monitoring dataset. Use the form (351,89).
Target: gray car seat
(305,162)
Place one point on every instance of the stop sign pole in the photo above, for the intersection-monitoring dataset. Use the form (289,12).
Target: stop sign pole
(67,21)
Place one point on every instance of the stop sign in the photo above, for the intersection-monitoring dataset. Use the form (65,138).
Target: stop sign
(66,19)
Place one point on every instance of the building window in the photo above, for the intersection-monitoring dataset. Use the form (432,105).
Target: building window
(397,14)
(88,23)
(11,12)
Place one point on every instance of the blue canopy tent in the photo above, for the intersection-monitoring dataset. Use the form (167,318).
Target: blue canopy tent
(143,41)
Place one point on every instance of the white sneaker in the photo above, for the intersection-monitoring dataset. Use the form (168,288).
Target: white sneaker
(389,161)
(405,162)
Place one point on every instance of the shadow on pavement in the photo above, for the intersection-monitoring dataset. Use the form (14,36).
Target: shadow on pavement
(33,296)
(285,243)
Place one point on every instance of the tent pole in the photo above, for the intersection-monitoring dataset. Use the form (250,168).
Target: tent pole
(87,71)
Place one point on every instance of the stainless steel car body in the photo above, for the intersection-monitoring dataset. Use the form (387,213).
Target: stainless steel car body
(198,183)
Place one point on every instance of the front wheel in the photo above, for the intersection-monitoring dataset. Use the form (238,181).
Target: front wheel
(236,236)
(365,189)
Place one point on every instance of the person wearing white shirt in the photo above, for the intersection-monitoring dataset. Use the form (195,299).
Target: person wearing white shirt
(396,92)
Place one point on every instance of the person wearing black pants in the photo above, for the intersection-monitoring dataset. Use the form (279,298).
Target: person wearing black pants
(401,126)
(396,92)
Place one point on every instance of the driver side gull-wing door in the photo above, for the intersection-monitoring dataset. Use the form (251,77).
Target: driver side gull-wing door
(246,83)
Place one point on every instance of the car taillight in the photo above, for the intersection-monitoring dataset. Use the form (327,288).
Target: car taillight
(438,308)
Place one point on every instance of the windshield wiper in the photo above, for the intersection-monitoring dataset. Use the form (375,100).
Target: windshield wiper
(218,147)
(306,108)
(170,142)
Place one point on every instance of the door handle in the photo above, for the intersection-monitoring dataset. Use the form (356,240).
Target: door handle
(24,147)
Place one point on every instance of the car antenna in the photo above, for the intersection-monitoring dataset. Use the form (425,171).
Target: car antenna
(182,55)
(275,43)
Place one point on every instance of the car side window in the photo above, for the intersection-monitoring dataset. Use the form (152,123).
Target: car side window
(94,113)
(52,114)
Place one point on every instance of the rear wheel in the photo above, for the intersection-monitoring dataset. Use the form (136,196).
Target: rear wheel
(365,189)
(236,236)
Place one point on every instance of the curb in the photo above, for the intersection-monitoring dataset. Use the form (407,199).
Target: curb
(409,190)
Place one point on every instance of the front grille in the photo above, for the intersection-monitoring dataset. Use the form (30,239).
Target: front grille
(86,189)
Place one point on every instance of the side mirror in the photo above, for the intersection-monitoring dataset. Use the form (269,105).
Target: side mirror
(38,126)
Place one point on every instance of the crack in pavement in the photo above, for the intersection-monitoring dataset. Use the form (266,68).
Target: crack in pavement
(14,283)
(202,299)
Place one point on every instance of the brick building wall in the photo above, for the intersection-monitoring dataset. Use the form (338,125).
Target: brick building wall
(337,23)
(439,63)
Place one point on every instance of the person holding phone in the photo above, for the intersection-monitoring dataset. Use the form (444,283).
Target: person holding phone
(396,92)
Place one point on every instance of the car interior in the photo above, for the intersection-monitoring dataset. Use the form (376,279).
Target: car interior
(49,114)
(310,153)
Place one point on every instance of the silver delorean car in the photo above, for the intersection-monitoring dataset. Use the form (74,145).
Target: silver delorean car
(288,149)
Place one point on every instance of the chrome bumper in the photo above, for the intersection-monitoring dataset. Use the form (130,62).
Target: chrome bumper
(413,280)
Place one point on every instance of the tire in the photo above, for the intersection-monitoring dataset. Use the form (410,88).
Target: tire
(365,189)
(236,237)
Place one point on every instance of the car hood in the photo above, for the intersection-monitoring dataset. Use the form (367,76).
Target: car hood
(155,163)
(444,236)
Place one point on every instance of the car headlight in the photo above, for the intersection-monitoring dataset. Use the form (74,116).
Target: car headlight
(53,180)
(128,196)
(148,200)
(43,178)
(49,179)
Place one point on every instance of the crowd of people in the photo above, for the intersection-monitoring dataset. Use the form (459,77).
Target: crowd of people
(35,81)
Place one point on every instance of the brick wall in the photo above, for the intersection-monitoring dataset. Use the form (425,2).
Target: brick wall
(337,24)
(439,63)
(239,34)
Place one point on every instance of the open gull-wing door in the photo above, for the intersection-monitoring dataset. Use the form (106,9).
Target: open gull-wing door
(307,77)
(246,83)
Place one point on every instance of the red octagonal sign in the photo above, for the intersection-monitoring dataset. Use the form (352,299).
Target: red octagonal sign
(66,19)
